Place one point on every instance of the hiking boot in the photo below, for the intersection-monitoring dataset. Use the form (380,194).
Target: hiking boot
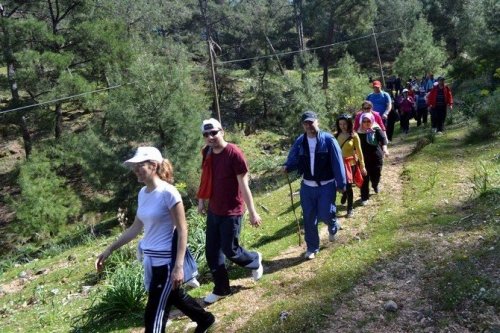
(212,298)
(310,255)
(205,325)
(257,273)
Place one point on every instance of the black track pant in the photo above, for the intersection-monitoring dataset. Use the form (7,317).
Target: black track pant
(161,298)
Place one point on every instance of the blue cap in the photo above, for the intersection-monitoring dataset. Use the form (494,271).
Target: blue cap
(309,116)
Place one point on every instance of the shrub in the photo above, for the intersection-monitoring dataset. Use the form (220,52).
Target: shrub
(196,238)
(488,116)
(124,295)
(46,203)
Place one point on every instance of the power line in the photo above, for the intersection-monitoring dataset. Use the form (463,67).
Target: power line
(220,63)
(306,50)
(64,98)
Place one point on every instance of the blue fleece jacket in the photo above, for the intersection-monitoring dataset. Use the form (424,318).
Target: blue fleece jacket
(328,161)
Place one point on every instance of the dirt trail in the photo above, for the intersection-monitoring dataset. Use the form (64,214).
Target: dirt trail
(290,263)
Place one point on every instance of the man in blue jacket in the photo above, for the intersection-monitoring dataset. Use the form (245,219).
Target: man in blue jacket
(316,156)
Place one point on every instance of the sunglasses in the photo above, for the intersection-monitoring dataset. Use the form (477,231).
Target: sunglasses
(211,133)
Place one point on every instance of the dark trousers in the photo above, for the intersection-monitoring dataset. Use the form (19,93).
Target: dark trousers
(348,190)
(374,171)
(391,120)
(421,116)
(222,240)
(161,297)
(404,121)
(438,117)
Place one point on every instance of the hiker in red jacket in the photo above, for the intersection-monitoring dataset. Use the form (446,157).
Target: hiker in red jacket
(438,100)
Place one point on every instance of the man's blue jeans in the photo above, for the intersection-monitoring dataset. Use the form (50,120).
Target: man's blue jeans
(318,204)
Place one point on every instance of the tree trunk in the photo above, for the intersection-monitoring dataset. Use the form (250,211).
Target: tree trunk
(58,129)
(297,7)
(26,136)
(326,53)
(14,89)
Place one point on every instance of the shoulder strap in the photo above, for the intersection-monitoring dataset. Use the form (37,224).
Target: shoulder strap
(343,143)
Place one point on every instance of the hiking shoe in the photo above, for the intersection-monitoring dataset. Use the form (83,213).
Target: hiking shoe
(343,200)
(375,189)
(349,214)
(332,237)
(212,298)
(310,255)
(257,273)
(193,283)
(364,202)
(206,324)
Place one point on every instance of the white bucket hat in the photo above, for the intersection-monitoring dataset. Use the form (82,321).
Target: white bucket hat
(144,154)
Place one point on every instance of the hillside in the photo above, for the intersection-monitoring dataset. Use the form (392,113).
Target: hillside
(428,242)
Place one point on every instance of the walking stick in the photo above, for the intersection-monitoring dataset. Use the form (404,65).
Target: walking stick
(293,208)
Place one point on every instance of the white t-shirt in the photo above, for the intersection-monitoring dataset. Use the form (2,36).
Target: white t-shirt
(312,152)
(154,212)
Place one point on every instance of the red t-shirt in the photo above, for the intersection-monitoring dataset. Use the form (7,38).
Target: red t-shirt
(226,199)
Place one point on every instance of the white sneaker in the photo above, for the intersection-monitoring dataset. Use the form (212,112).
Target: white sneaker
(193,283)
(364,202)
(257,273)
(434,130)
(212,298)
(310,255)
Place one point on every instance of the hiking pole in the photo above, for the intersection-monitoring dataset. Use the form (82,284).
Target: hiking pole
(293,208)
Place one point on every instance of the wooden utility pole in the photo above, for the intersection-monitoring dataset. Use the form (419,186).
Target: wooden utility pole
(210,43)
(378,55)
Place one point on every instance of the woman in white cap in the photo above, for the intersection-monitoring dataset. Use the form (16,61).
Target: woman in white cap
(160,212)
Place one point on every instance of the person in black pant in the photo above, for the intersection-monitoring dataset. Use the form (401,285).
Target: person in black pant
(374,147)
(160,213)
(421,116)
(392,119)
(439,99)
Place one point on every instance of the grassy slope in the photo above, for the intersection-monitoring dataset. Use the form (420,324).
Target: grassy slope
(430,202)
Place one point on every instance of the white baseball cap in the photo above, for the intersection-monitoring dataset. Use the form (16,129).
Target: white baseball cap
(210,125)
(144,154)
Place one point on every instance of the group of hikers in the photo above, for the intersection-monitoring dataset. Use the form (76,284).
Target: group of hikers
(416,100)
(328,163)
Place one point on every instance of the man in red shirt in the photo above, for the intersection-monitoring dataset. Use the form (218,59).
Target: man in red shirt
(224,203)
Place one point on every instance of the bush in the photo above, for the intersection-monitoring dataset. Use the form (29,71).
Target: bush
(488,116)
(196,238)
(124,296)
(46,203)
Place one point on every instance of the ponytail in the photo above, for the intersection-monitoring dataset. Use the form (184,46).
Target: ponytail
(166,171)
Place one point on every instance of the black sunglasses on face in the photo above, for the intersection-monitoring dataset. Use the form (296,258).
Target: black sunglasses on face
(211,133)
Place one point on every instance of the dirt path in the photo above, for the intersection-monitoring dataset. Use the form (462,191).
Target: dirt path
(290,263)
